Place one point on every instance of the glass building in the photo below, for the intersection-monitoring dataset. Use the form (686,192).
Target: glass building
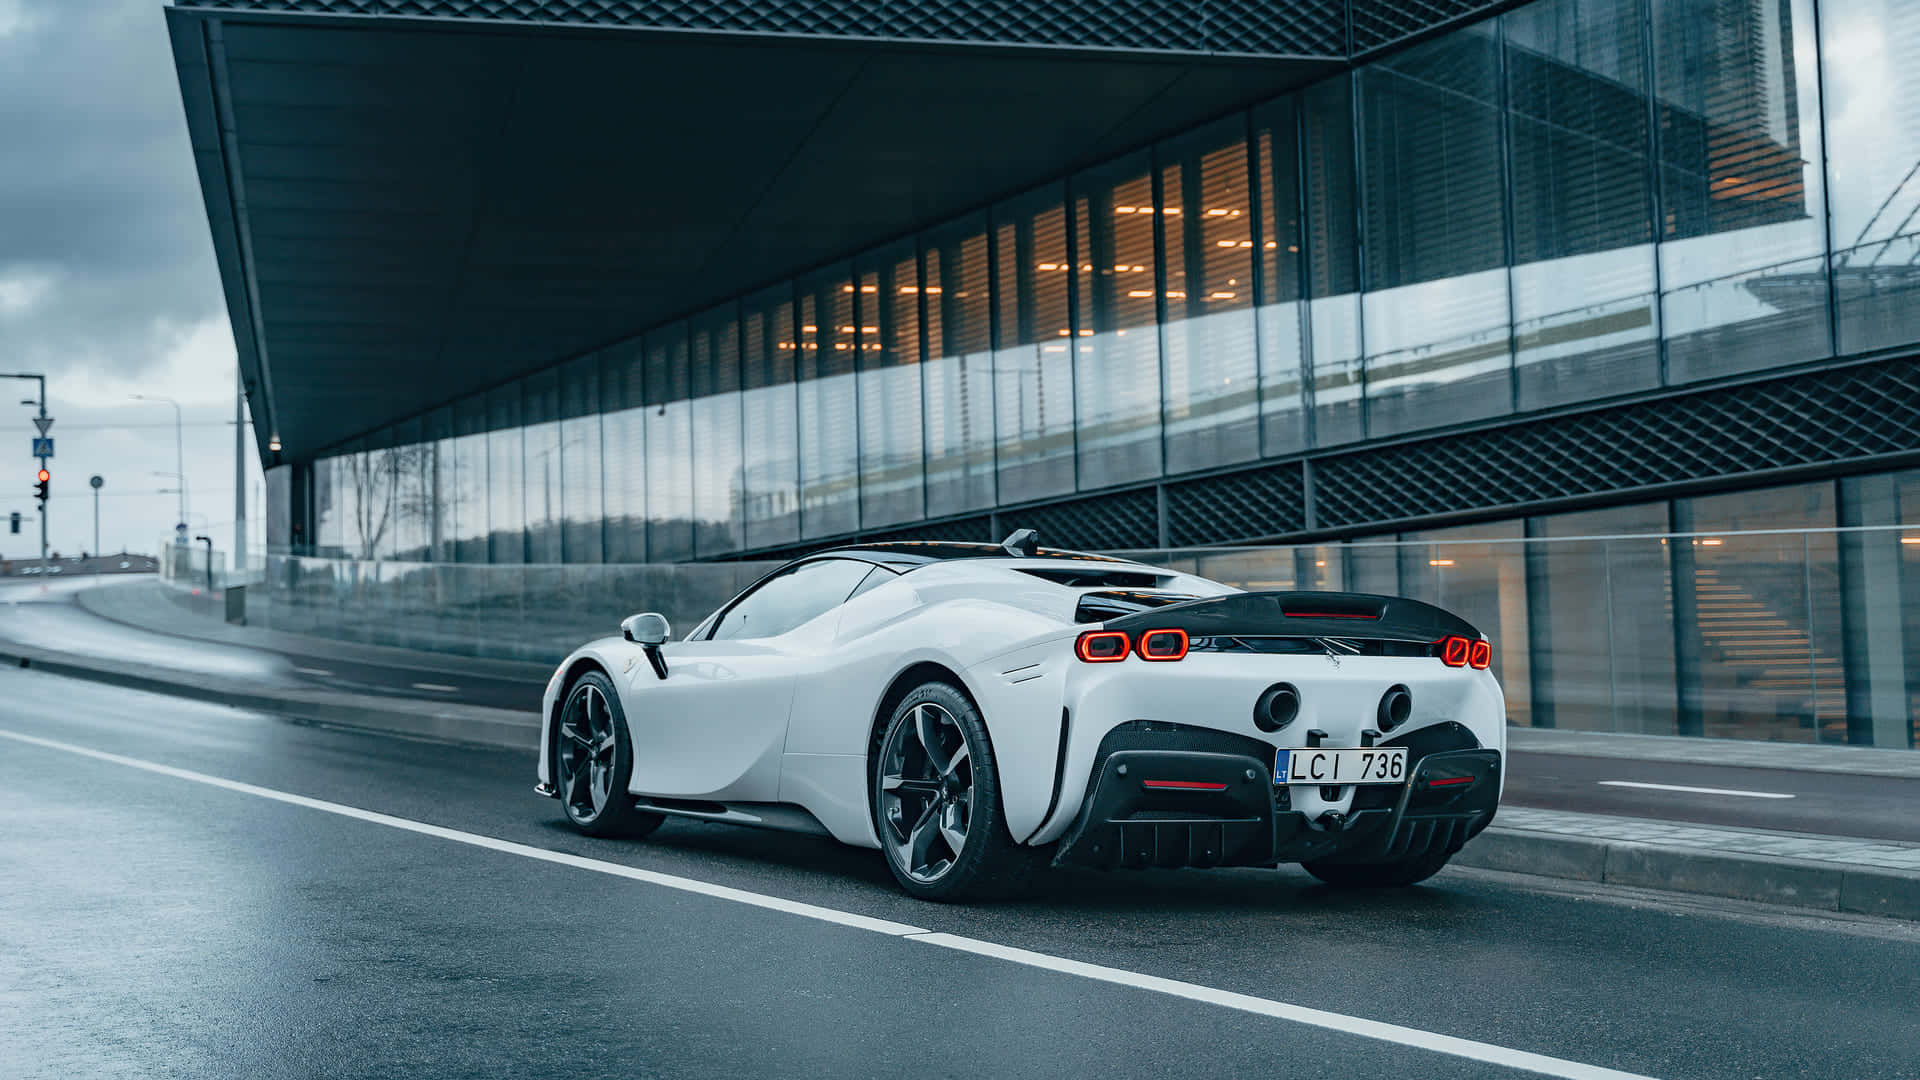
(1568,288)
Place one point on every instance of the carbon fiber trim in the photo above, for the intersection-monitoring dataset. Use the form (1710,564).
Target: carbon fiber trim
(1300,27)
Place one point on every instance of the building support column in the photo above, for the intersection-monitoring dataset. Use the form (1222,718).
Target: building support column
(1689,718)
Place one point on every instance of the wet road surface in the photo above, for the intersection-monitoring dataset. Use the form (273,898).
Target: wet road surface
(222,896)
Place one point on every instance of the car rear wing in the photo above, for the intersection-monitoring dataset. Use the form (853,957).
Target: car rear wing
(1353,616)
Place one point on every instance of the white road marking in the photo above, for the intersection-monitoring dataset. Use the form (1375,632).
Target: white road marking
(1694,790)
(314,671)
(441,688)
(1470,1049)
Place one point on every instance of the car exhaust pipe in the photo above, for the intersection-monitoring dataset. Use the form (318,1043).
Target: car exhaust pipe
(1278,706)
(1396,705)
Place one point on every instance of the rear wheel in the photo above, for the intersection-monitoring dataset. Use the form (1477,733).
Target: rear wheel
(593,762)
(1384,875)
(936,802)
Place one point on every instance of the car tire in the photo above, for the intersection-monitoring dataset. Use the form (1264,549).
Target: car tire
(925,804)
(1382,875)
(593,762)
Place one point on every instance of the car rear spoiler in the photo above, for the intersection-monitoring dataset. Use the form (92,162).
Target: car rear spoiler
(1356,616)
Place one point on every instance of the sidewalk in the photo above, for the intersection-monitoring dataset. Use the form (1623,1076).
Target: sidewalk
(154,606)
(1826,873)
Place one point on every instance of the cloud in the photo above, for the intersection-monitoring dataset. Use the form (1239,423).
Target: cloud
(105,257)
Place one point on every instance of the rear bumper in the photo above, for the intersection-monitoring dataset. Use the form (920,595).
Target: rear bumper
(1170,805)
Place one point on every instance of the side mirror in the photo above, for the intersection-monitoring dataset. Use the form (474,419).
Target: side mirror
(649,629)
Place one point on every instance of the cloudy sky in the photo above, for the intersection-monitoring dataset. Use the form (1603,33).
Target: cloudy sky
(107,281)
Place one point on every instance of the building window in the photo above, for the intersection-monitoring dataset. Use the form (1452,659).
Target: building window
(1117,348)
(769,404)
(1584,296)
(892,479)
(1743,255)
(1211,384)
(1033,373)
(718,526)
(959,370)
(1437,322)
(669,421)
(1282,310)
(829,421)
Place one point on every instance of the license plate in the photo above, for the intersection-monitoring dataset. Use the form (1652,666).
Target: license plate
(1346,765)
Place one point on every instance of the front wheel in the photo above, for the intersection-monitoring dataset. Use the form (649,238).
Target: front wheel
(1386,875)
(936,802)
(593,762)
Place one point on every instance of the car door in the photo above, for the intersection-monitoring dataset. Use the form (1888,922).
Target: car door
(715,727)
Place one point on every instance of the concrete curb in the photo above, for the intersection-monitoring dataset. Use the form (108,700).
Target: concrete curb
(1797,883)
(1802,883)
(475,724)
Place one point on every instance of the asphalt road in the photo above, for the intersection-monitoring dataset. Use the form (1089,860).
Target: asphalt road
(160,917)
(1867,807)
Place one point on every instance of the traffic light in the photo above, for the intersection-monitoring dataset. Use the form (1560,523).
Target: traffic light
(40,485)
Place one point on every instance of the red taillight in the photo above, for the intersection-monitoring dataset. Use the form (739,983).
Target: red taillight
(1450,781)
(1163,645)
(1457,651)
(1480,655)
(1182,785)
(1102,646)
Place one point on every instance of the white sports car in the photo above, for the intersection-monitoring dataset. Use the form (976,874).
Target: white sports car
(975,710)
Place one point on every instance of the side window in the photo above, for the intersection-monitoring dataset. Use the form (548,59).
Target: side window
(784,602)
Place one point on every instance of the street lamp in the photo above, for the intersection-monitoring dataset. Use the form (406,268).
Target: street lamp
(179,453)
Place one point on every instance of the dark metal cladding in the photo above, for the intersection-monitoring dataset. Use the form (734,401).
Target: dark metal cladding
(1360,616)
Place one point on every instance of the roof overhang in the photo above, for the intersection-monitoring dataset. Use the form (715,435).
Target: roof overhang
(407,210)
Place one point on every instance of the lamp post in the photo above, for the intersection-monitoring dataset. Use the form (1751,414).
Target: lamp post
(179,453)
(95,482)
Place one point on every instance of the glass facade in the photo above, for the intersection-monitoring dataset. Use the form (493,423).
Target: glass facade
(1574,200)
(1787,613)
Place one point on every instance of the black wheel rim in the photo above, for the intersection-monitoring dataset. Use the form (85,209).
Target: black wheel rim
(926,793)
(586,755)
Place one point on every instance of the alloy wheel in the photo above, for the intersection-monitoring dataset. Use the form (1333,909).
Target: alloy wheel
(586,755)
(926,793)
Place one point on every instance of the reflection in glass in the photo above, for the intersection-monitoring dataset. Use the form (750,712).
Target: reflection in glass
(581,493)
(829,432)
(715,385)
(1332,252)
(669,428)
(467,503)
(1583,280)
(1768,640)
(624,460)
(542,496)
(506,523)
(1602,648)
(959,371)
(1479,573)
(891,479)
(1282,312)
(769,406)
(1740,190)
(1437,321)
(1211,371)
(1871,52)
(1117,363)
(1032,367)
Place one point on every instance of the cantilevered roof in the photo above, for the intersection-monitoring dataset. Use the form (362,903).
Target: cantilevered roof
(411,202)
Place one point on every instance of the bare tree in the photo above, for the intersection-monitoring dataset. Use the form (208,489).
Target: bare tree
(391,490)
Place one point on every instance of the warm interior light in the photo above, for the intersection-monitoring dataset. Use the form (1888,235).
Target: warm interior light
(1712,541)
(1222,296)
(1904,539)
(1175,294)
(1125,209)
(1439,562)
(273,444)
